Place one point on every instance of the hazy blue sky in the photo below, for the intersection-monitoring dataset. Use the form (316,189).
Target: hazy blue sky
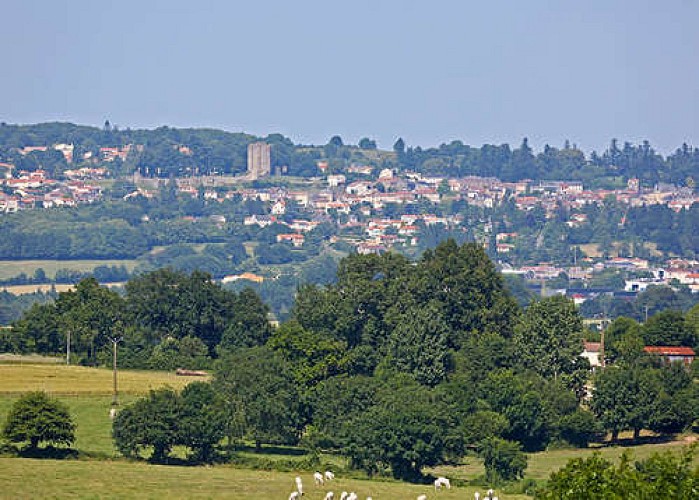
(429,71)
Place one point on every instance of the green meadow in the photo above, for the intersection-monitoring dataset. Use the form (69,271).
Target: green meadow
(99,472)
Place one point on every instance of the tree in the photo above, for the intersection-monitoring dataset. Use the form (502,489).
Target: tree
(669,328)
(152,421)
(503,460)
(580,428)
(692,318)
(164,419)
(257,385)
(407,430)
(399,146)
(623,398)
(249,326)
(172,303)
(482,425)
(665,475)
(366,143)
(418,344)
(202,420)
(519,398)
(467,287)
(333,403)
(548,337)
(620,337)
(36,418)
(336,141)
(311,356)
(334,146)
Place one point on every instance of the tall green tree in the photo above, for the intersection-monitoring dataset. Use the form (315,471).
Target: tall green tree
(669,328)
(150,422)
(258,387)
(202,422)
(249,325)
(419,344)
(408,429)
(172,303)
(470,291)
(311,356)
(619,337)
(624,397)
(548,337)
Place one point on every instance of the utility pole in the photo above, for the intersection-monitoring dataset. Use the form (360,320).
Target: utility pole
(68,348)
(115,341)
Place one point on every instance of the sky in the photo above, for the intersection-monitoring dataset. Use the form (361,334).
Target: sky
(429,71)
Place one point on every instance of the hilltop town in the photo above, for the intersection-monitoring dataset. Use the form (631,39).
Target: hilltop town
(609,238)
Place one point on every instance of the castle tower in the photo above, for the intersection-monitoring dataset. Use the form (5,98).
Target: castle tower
(259,160)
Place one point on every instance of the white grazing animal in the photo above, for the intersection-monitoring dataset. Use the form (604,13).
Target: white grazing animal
(477,496)
(294,495)
(422,497)
(343,496)
(318,478)
(352,496)
(329,495)
(329,476)
(442,482)
(299,485)
(490,493)
(112,413)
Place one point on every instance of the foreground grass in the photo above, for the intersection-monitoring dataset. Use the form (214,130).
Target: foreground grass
(28,478)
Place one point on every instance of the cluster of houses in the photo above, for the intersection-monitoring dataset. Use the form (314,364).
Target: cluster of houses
(37,190)
(355,201)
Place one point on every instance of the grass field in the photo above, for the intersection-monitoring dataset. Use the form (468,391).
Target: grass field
(72,380)
(86,391)
(88,394)
(26,478)
(12,268)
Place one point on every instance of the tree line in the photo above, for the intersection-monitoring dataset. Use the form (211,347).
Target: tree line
(398,365)
(211,151)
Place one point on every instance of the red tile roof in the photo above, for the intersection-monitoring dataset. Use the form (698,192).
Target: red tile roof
(593,346)
(669,350)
